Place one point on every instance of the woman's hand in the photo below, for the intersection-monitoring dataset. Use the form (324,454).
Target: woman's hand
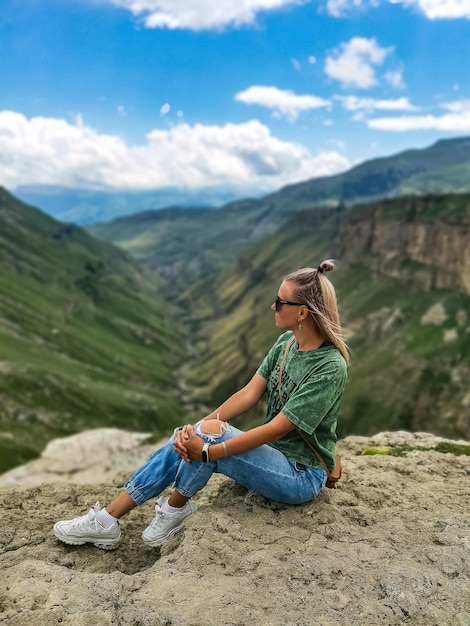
(187,444)
(179,443)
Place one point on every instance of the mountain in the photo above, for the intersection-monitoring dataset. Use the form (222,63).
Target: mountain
(87,206)
(85,339)
(184,245)
(443,167)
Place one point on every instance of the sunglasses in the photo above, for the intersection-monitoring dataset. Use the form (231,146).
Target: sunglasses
(278,302)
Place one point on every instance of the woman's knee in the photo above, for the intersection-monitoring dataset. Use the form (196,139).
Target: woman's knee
(213,428)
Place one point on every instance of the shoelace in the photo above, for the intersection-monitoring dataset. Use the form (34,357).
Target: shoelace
(85,520)
(159,515)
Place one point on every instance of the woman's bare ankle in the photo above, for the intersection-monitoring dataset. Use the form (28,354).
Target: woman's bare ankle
(122,505)
(177,500)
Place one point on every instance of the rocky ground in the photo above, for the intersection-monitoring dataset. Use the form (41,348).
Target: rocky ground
(390,546)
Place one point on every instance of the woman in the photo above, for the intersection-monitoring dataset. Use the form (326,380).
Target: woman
(304,375)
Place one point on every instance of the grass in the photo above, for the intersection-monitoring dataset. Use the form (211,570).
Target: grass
(444,447)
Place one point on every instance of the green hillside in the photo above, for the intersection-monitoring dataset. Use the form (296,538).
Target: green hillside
(451,179)
(85,338)
(185,244)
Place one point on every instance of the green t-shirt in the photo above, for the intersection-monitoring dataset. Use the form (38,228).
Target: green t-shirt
(313,383)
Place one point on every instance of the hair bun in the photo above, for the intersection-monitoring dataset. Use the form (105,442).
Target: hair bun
(326,266)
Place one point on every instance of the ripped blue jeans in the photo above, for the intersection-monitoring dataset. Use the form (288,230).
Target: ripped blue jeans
(264,470)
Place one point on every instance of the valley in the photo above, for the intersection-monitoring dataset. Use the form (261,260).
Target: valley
(153,319)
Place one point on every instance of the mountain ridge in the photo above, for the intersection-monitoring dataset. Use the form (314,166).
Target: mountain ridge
(228,229)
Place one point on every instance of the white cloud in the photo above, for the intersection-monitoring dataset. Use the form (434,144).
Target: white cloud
(282,102)
(432,9)
(199,14)
(442,9)
(48,151)
(354,64)
(340,8)
(459,106)
(456,120)
(395,79)
(353,103)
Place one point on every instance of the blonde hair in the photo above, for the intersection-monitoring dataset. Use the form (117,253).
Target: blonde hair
(315,291)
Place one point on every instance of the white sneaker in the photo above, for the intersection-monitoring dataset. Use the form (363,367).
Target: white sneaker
(87,529)
(164,525)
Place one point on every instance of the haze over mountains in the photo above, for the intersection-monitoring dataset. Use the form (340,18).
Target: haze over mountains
(444,166)
(86,206)
(153,334)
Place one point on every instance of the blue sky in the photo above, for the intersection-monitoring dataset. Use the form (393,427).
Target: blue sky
(239,95)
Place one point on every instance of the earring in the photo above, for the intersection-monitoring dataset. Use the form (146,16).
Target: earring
(299,325)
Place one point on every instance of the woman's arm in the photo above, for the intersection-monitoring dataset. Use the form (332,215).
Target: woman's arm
(238,403)
(272,431)
(241,401)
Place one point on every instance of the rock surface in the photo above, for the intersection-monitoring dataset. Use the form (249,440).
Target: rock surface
(89,457)
(390,546)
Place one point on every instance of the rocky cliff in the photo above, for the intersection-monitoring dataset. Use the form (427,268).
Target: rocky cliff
(420,240)
(389,547)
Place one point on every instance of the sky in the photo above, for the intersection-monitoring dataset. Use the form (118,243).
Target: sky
(238,95)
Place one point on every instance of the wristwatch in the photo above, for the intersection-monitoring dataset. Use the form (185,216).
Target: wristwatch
(205,453)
